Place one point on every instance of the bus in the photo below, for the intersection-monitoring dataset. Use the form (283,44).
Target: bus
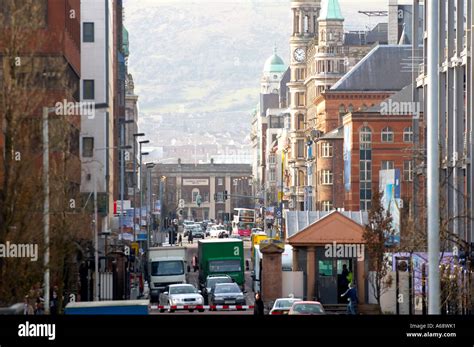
(244,221)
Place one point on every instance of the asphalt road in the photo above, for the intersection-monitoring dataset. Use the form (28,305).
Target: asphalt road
(192,277)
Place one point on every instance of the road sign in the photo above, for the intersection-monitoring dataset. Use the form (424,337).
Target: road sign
(181,203)
(278,213)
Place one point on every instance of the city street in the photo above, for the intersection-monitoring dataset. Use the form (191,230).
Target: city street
(192,278)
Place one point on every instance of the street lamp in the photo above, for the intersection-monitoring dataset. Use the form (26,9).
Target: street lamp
(135,136)
(141,190)
(122,164)
(149,167)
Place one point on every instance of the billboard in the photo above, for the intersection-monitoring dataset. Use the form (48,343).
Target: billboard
(390,188)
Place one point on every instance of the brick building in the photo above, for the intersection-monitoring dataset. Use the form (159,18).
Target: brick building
(187,181)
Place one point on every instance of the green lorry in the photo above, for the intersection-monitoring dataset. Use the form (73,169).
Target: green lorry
(221,257)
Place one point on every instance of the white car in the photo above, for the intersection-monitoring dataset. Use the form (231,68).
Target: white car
(217,231)
(181,295)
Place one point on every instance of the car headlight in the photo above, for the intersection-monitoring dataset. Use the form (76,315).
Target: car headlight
(240,297)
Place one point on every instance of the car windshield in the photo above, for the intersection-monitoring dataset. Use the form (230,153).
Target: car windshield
(183,290)
(225,266)
(211,282)
(308,308)
(227,288)
(167,268)
(284,303)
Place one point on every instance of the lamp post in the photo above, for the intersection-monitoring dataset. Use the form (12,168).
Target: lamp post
(141,179)
(149,167)
(135,136)
(122,165)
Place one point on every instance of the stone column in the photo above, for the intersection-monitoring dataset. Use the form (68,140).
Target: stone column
(295,258)
(310,273)
(271,281)
(301,22)
(361,281)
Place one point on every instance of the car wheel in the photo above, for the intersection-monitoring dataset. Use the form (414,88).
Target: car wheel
(201,310)
(162,310)
(191,310)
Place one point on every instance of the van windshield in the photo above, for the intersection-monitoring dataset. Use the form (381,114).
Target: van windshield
(167,268)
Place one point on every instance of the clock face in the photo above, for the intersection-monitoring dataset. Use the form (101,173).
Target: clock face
(299,55)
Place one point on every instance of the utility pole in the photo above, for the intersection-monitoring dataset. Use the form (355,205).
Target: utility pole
(135,182)
(46,208)
(433,156)
(96,243)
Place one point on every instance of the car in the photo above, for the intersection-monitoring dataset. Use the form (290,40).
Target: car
(208,228)
(211,281)
(181,294)
(283,305)
(216,230)
(189,227)
(227,294)
(306,308)
(198,233)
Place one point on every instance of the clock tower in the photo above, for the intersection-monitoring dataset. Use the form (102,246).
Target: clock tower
(305,14)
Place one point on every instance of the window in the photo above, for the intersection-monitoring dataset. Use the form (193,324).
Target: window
(365,196)
(300,74)
(365,170)
(387,165)
(327,205)
(87,147)
(408,171)
(88,92)
(301,178)
(220,181)
(326,177)
(387,134)
(350,108)
(408,134)
(327,150)
(277,122)
(342,110)
(88,32)
(300,148)
(365,138)
(195,193)
(271,175)
(300,122)
(300,99)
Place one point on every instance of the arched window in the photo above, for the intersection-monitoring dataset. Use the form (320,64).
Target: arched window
(408,134)
(387,134)
(350,108)
(363,107)
(342,110)
(301,178)
(300,121)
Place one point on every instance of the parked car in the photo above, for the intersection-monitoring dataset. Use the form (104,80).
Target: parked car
(211,281)
(197,232)
(181,294)
(283,305)
(208,228)
(189,227)
(306,308)
(227,294)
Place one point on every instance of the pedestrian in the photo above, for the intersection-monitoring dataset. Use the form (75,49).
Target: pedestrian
(258,308)
(180,240)
(195,263)
(190,237)
(351,294)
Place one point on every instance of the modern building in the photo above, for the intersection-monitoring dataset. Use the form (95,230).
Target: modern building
(183,183)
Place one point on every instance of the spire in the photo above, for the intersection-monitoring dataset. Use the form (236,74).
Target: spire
(275,48)
(330,10)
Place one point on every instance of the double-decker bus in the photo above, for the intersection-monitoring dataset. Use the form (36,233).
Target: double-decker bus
(244,221)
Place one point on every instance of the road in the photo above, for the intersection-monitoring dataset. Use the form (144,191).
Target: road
(192,277)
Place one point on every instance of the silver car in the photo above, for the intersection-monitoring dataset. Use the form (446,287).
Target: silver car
(181,295)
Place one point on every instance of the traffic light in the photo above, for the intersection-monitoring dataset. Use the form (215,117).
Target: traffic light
(226,196)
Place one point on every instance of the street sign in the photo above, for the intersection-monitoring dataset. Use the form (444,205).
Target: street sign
(278,213)
(181,203)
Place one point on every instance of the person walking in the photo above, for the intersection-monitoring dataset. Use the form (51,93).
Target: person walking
(258,308)
(180,240)
(190,237)
(351,294)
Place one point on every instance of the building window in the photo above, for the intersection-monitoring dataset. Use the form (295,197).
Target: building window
(387,165)
(195,193)
(271,175)
(88,32)
(342,112)
(300,99)
(87,147)
(220,181)
(300,122)
(277,122)
(365,168)
(408,134)
(350,108)
(387,134)
(88,92)
(327,205)
(327,150)
(300,74)
(235,181)
(408,171)
(300,148)
(326,177)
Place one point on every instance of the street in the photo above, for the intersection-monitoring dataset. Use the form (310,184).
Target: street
(192,278)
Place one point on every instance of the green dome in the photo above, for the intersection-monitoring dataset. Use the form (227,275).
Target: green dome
(274,64)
